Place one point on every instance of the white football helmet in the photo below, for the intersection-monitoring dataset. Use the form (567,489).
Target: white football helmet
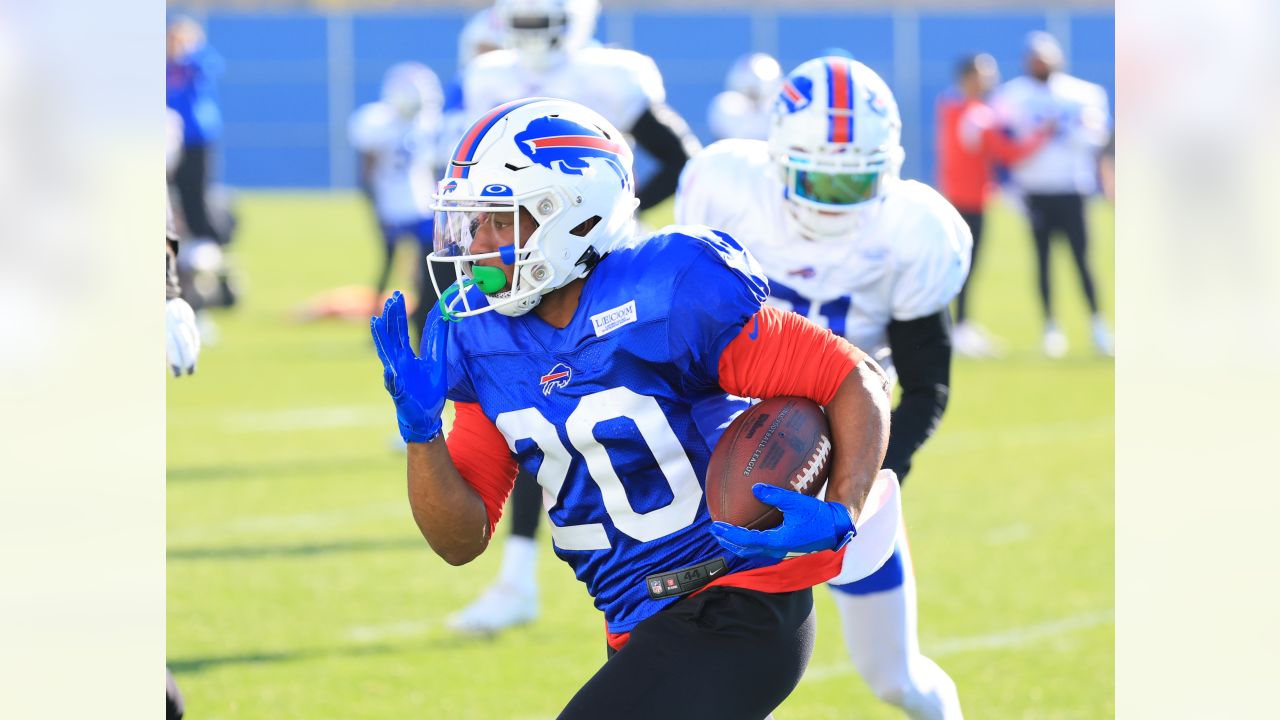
(410,87)
(563,163)
(836,136)
(755,75)
(543,32)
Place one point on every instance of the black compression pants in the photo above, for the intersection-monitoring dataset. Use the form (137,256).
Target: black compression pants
(974,221)
(526,505)
(191,177)
(724,653)
(1064,213)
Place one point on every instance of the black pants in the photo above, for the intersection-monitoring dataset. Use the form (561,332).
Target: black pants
(1065,213)
(526,505)
(191,177)
(724,653)
(974,221)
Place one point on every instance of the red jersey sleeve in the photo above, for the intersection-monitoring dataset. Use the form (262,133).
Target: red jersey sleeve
(780,353)
(482,457)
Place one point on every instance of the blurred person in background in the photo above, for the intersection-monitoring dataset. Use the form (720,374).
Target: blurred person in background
(742,110)
(204,215)
(191,72)
(397,140)
(182,336)
(549,52)
(876,259)
(970,143)
(1056,179)
(1107,169)
(481,34)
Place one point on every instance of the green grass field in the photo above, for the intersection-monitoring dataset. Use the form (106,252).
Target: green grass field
(299,586)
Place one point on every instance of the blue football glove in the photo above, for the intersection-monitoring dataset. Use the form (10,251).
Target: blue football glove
(808,525)
(417,384)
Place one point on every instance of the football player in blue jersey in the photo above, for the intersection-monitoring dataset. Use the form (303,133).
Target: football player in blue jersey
(578,352)
(550,51)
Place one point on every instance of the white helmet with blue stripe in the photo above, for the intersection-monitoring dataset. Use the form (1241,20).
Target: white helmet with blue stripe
(837,137)
(564,164)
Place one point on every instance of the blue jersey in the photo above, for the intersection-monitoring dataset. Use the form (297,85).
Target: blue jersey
(603,411)
(189,85)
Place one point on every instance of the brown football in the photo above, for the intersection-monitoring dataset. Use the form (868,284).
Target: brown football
(782,441)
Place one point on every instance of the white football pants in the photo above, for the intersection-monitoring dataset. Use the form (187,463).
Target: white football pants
(880,631)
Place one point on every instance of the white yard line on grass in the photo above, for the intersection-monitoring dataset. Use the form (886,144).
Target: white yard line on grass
(1012,638)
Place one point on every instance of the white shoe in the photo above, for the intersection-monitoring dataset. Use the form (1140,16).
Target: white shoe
(971,340)
(500,607)
(1102,339)
(1054,342)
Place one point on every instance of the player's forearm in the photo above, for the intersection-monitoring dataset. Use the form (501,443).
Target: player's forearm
(449,512)
(662,133)
(859,417)
(922,356)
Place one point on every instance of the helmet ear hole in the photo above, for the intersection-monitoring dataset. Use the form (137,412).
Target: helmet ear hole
(585,226)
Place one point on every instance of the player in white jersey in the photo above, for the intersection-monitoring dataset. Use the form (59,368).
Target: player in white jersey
(1055,181)
(743,109)
(550,52)
(397,138)
(849,244)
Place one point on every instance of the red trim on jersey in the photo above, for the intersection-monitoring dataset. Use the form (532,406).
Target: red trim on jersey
(482,458)
(779,353)
(616,640)
(787,576)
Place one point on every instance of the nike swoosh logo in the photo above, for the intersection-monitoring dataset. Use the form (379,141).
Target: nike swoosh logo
(755,328)
(713,572)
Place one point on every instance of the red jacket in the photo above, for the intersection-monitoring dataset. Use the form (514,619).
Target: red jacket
(970,142)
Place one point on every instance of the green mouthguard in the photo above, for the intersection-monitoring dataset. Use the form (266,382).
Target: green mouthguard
(490,280)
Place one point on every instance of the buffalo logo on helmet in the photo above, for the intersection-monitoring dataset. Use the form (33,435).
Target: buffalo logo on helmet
(796,94)
(557,377)
(876,103)
(566,146)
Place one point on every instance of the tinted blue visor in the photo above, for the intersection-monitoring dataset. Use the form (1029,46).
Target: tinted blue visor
(835,188)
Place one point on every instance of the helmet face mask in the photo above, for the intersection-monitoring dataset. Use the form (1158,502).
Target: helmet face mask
(551,164)
(544,31)
(836,139)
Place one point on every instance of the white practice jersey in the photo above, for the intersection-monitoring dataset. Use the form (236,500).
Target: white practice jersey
(618,84)
(908,261)
(734,115)
(1067,163)
(406,163)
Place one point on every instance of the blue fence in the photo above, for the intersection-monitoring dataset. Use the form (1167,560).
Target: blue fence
(293,79)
